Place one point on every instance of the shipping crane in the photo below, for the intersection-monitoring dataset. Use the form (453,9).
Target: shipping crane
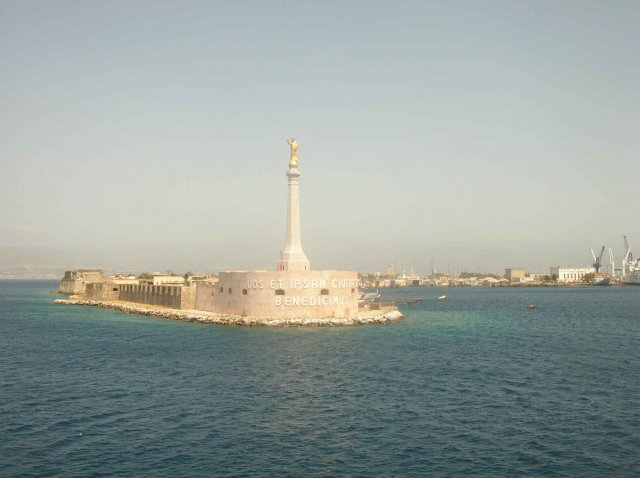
(627,246)
(597,261)
(628,257)
(612,263)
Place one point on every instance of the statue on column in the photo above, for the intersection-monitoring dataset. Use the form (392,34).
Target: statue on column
(293,162)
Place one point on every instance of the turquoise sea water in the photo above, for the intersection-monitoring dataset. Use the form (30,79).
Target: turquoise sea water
(476,385)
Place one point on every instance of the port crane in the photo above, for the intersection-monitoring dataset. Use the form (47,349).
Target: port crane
(597,261)
(612,263)
(628,257)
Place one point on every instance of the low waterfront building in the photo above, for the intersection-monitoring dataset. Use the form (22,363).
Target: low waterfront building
(122,279)
(398,282)
(514,275)
(538,276)
(571,274)
(201,278)
(167,280)
(489,282)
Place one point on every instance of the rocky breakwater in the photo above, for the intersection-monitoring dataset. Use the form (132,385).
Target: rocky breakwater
(363,318)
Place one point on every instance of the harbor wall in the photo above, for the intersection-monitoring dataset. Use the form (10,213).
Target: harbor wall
(188,297)
(175,297)
(267,294)
(102,291)
(284,294)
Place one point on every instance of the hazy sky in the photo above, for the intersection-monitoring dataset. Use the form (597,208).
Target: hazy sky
(483,135)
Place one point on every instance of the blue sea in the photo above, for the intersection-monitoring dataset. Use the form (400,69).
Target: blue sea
(476,385)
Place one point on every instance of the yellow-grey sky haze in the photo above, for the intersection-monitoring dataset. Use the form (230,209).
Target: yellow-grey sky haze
(480,134)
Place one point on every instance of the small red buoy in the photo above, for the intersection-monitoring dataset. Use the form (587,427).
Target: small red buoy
(531,307)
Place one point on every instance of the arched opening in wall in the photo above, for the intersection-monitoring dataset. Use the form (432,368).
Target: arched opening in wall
(353,291)
(324,292)
(244,291)
(115,289)
(221,289)
(279,292)
(229,290)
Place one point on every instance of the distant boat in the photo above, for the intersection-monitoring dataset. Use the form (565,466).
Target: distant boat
(442,297)
(602,281)
(369,297)
(531,307)
(415,301)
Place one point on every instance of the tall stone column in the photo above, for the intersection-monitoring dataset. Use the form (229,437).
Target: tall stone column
(293,257)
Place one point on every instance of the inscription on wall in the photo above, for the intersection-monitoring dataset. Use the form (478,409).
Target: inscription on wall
(305,284)
(310,300)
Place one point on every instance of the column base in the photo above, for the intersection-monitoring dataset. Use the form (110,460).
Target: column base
(294,261)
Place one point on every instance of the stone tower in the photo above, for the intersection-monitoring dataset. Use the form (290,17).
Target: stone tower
(293,257)
(391,270)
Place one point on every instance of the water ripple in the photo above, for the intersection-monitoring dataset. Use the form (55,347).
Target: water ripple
(477,385)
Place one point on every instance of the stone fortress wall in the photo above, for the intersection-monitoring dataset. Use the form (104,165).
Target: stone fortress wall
(102,291)
(175,297)
(290,294)
(172,296)
(75,281)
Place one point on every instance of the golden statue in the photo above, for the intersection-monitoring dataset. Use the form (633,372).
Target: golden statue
(293,162)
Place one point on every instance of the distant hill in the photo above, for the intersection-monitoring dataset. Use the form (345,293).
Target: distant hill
(33,262)
(16,256)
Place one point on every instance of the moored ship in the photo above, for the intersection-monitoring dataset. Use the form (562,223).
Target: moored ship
(602,281)
(630,267)
(632,278)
